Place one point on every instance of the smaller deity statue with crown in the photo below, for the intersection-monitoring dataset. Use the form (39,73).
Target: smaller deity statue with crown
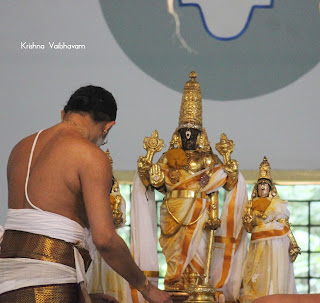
(273,248)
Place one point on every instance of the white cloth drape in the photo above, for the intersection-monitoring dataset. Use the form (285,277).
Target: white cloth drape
(29,272)
(268,267)
(144,230)
(233,277)
(103,279)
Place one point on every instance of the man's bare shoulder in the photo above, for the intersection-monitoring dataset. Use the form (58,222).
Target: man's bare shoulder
(94,170)
(23,146)
(88,155)
(74,149)
(87,150)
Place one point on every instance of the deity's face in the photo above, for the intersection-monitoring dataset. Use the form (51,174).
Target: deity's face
(263,189)
(189,138)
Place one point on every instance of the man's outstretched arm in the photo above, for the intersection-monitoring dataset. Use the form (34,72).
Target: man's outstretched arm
(95,176)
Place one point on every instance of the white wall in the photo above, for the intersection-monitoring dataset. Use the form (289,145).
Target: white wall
(35,85)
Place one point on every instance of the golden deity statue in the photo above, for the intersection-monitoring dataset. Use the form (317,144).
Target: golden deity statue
(190,175)
(116,200)
(273,248)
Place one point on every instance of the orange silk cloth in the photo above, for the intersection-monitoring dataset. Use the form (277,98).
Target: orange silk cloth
(270,233)
(229,241)
(273,208)
(260,204)
(182,221)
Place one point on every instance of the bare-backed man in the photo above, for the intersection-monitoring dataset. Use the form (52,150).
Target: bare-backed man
(59,182)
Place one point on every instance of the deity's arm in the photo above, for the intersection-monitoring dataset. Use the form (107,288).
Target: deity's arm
(143,171)
(248,217)
(150,173)
(213,211)
(294,249)
(156,175)
(230,166)
(210,159)
(232,172)
(116,200)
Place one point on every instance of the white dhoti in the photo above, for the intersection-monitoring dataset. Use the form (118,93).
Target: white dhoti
(17,273)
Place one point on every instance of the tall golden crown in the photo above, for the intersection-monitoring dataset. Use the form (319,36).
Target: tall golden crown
(191,104)
(265,170)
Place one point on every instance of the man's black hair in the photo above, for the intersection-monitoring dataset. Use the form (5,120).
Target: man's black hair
(96,101)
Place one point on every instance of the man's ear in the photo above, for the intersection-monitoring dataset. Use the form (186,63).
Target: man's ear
(63,113)
(109,125)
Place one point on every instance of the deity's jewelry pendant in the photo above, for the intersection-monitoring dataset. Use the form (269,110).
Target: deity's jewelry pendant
(204,180)
(174,175)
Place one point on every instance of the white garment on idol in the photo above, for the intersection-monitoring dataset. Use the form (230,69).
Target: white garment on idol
(237,198)
(103,279)
(268,266)
(13,270)
(144,231)
(197,249)
(228,259)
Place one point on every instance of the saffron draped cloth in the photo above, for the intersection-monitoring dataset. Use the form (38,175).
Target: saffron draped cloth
(183,240)
(268,266)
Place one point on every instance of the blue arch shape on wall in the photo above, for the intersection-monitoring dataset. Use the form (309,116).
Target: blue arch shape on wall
(222,38)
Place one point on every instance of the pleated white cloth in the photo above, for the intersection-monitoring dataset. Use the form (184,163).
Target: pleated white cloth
(230,247)
(23,272)
(144,233)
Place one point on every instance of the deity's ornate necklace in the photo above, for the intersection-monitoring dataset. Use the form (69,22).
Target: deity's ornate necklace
(189,157)
(76,125)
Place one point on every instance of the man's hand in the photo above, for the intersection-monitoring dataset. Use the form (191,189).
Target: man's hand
(219,296)
(154,295)
(102,298)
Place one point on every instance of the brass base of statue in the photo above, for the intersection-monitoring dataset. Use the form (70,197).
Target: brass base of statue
(201,294)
